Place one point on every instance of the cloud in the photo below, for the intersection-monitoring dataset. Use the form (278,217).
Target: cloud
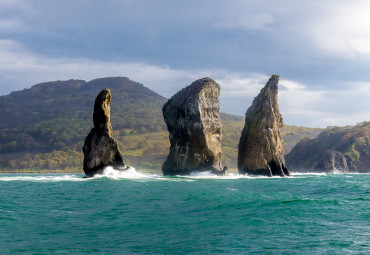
(339,28)
(299,103)
(20,68)
(248,22)
(13,13)
(346,106)
(9,24)
(237,85)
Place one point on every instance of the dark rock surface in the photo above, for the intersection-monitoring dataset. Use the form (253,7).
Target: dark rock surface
(193,121)
(332,161)
(261,149)
(100,149)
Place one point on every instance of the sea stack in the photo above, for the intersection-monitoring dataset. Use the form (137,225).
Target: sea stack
(100,149)
(193,121)
(261,149)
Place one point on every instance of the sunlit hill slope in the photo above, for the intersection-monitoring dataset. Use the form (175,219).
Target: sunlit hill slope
(44,127)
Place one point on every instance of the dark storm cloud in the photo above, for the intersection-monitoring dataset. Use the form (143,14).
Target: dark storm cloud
(320,49)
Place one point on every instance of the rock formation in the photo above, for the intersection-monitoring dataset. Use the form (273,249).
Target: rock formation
(336,149)
(332,161)
(193,121)
(261,148)
(100,149)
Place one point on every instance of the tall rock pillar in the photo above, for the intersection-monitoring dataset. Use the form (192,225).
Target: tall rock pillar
(100,149)
(193,121)
(261,149)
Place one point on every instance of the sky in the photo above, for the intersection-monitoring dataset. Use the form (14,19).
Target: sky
(320,49)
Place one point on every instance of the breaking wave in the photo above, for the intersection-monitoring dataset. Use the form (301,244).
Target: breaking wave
(42,177)
(131,174)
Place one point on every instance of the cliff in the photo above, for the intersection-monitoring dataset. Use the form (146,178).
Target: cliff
(193,121)
(261,149)
(338,149)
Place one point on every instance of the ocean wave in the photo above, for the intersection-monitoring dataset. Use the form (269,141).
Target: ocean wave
(42,178)
(231,176)
(132,174)
(108,172)
(307,173)
(335,173)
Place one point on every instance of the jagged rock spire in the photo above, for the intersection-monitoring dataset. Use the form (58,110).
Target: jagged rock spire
(101,116)
(261,149)
(100,149)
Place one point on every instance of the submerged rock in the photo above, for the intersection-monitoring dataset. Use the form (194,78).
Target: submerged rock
(261,149)
(193,121)
(100,149)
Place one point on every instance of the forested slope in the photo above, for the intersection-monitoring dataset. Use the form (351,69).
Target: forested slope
(44,127)
(344,149)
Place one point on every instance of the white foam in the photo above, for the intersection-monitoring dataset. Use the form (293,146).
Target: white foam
(232,176)
(42,178)
(108,172)
(207,175)
(129,173)
(323,173)
(307,173)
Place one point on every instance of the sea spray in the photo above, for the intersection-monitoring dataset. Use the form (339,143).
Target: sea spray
(42,177)
(129,173)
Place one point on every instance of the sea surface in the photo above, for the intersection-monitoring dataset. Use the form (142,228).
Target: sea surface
(137,213)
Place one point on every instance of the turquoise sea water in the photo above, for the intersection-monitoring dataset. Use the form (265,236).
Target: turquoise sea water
(150,214)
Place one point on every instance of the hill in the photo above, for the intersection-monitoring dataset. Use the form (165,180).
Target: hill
(44,127)
(345,149)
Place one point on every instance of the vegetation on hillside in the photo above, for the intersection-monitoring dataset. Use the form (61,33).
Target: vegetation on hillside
(45,126)
(352,141)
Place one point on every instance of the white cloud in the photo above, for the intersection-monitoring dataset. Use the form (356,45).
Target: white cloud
(20,68)
(300,105)
(238,85)
(341,28)
(322,108)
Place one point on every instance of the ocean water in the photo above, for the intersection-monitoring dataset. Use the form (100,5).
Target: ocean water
(136,213)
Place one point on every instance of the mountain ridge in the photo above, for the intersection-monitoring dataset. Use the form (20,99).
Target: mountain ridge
(343,149)
(46,124)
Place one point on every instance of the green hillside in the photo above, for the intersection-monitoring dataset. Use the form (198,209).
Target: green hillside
(351,143)
(44,127)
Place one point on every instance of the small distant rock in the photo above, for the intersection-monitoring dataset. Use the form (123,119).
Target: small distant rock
(193,121)
(261,149)
(100,149)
